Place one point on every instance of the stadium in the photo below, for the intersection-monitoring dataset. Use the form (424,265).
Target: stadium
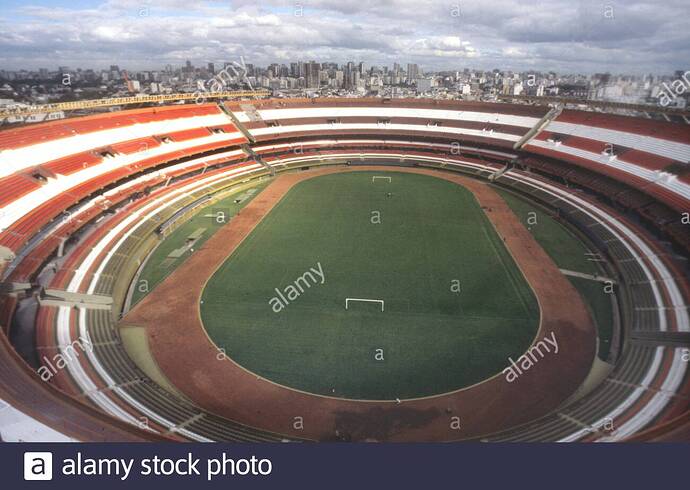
(347,269)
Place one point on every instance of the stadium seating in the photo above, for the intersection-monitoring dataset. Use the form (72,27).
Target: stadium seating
(16,186)
(99,185)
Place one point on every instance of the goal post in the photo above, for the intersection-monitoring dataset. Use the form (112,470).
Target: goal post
(385,177)
(365,300)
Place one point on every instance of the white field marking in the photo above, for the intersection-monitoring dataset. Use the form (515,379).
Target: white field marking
(684,324)
(373,179)
(683,319)
(607,221)
(347,301)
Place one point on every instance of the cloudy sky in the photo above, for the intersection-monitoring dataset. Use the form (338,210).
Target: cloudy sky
(633,36)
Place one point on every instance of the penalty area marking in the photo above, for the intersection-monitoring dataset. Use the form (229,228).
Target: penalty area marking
(373,178)
(347,301)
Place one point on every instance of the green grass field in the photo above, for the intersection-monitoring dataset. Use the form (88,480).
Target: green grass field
(568,252)
(433,340)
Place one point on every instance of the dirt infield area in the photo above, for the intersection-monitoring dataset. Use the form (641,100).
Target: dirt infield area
(195,366)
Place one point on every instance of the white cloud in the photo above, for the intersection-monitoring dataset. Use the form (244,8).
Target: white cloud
(575,35)
(440,46)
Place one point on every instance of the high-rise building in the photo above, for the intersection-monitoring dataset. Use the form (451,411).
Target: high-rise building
(312,74)
(274,70)
(412,72)
(301,70)
(349,81)
(338,79)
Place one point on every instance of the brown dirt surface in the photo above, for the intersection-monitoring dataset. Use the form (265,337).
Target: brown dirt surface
(192,362)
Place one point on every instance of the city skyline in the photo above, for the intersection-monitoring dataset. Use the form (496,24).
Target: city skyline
(422,70)
(584,37)
(317,79)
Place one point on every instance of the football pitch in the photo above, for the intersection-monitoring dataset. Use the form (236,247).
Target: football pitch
(449,305)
